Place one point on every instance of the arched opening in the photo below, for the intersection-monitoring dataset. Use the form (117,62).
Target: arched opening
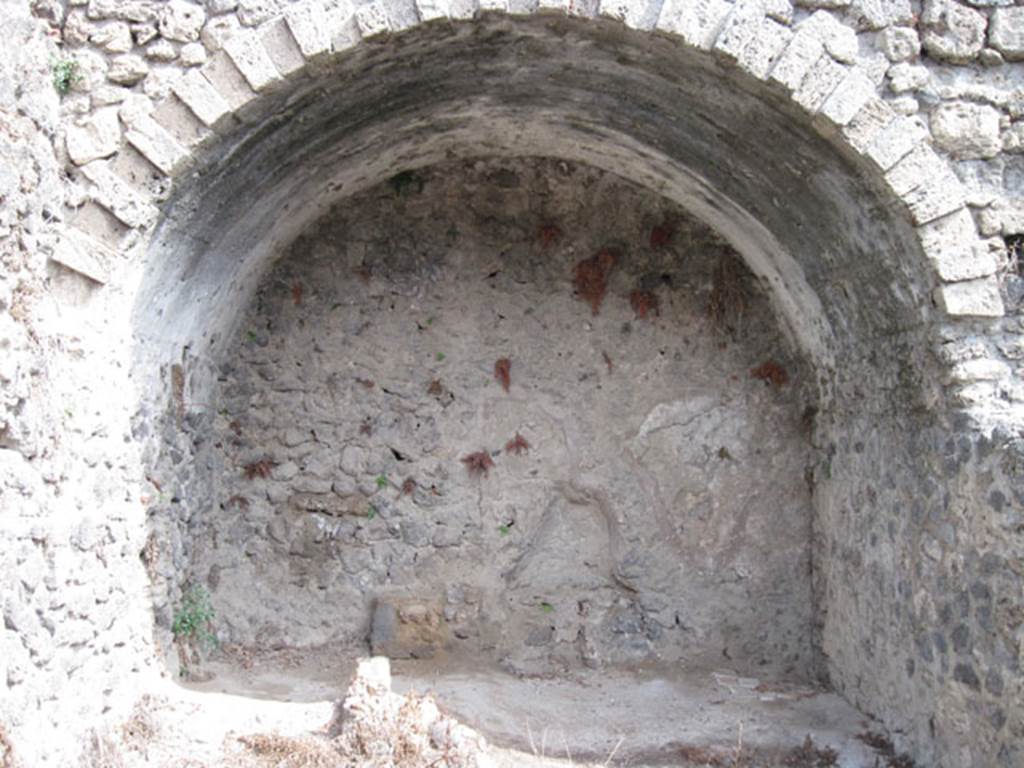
(251,245)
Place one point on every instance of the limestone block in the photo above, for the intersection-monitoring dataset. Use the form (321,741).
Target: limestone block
(252,13)
(503,6)
(95,137)
(878,14)
(739,27)
(182,21)
(875,115)
(848,98)
(779,10)
(796,61)
(893,142)
(109,94)
(372,19)
(81,254)
(113,37)
(823,3)
(899,43)
(407,628)
(461,9)
(147,136)
(78,29)
(951,244)
(218,7)
(926,184)
(966,130)
(229,82)
(161,50)
(698,22)
(906,77)
(1013,138)
(192,54)
(305,20)
(248,54)
(765,47)
(281,47)
(133,10)
(822,79)
(127,69)
(953,32)
(218,30)
(840,40)
(118,197)
(143,33)
(972,298)
(201,97)
(1006,32)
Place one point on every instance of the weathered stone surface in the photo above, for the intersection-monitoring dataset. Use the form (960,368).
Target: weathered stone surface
(127,69)
(147,136)
(113,37)
(193,54)
(247,52)
(899,43)
(201,97)
(952,32)
(407,628)
(973,298)
(879,14)
(1006,32)
(182,21)
(161,50)
(306,22)
(698,22)
(966,131)
(252,13)
(95,137)
(905,77)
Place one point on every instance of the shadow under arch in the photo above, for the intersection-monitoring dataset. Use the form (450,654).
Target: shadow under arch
(837,248)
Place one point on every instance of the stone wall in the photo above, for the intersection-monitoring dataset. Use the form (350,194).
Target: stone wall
(864,157)
(656,511)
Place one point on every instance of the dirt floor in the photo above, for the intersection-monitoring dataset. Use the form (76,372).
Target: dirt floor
(620,717)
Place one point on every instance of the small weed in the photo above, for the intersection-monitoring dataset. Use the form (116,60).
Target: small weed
(549,235)
(547,607)
(408,487)
(643,303)
(382,481)
(66,74)
(366,428)
(729,297)
(251,335)
(371,512)
(661,236)
(435,389)
(440,357)
(503,373)
(192,626)
(478,463)
(505,530)
(261,468)
(517,445)
(590,278)
(770,372)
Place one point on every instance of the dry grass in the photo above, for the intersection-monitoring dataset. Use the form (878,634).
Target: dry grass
(730,295)
(272,749)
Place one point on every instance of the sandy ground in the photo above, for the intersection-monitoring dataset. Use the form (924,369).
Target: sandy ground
(593,717)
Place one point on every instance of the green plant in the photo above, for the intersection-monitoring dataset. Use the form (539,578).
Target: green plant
(371,512)
(382,481)
(193,621)
(440,357)
(547,607)
(65,74)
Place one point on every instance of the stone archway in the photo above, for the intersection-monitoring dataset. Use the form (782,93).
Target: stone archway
(857,227)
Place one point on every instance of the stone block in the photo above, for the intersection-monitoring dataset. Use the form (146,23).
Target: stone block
(373,19)
(117,196)
(150,138)
(281,46)
(966,130)
(698,22)
(879,14)
(895,141)
(407,628)
(248,54)
(972,298)
(306,22)
(1006,32)
(899,43)
(201,97)
(952,32)
(819,83)
(792,66)
(222,73)
(354,505)
(461,9)
(127,69)
(94,137)
(904,77)
(875,115)
(739,27)
(182,21)
(81,254)
(764,48)
(848,98)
